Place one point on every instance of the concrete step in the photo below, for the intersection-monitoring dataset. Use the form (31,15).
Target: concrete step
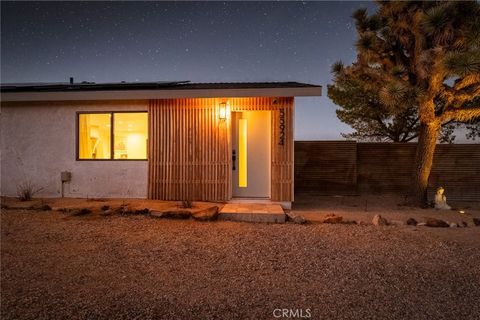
(252,212)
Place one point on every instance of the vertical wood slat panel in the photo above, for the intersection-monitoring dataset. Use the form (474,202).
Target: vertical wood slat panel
(185,145)
(190,148)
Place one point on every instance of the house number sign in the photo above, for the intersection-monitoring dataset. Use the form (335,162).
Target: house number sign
(281,137)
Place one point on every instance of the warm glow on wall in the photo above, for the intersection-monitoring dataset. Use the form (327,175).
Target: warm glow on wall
(242,153)
(223,111)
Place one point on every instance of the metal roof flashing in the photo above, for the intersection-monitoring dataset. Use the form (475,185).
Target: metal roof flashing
(152,90)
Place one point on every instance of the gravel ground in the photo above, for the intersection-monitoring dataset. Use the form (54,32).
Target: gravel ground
(136,267)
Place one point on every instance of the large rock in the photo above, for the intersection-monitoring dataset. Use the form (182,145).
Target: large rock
(207,214)
(436,223)
(332,218)
(378,220)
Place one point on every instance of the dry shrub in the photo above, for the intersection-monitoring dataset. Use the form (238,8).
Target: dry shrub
(187,204)
(26,191)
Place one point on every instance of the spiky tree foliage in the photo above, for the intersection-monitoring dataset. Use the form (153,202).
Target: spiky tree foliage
(363,110)
(424,55)
(358,96)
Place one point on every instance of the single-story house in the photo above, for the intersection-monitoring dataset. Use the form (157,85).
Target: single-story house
(157,140)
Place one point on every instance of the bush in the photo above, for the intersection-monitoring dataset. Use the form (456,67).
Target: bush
(187,204)
(27,190)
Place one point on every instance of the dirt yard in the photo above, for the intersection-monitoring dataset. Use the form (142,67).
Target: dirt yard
(56,266)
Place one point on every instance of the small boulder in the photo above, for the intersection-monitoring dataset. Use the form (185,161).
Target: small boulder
(453,225)
(105,208)
(80,212)
(412,222)
(106,212)
(421,224)
(173,214)
(436,223)
(295,218)
(463,224)
(299,219)
(378,220)
(332,218)
(396,223)
(142,211)
(208,214)
(476,221)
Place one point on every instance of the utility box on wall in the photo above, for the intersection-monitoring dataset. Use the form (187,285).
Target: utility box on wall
(66,176)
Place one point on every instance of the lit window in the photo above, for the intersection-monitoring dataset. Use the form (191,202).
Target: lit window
(129,131)
(242,152)
(130,134)
(94,136)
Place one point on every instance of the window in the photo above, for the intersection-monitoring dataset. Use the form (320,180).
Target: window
(112,135)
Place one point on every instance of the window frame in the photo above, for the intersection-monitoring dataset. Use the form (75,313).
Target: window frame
(112,138)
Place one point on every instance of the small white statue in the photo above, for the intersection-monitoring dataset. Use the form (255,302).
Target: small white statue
(441,200)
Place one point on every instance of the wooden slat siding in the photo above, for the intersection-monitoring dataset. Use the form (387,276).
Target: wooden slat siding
(190,148)
(456,167)
(325,167)
(385,167)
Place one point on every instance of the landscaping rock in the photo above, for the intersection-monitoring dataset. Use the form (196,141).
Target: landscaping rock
(453,225)
(332,218)
(106,212)
(476,221)
(378,220)
(41,207)
(80,212)
(173,214)
(208,214)
(299,219)
(412,222)
(295,218)
(396,223)
(142,211)
(436,223)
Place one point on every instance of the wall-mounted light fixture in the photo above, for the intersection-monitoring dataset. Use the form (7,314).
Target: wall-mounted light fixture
(222,114)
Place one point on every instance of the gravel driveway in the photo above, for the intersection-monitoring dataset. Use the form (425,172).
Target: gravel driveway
(136,267)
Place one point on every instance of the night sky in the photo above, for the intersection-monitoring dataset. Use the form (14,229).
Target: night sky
(196,41)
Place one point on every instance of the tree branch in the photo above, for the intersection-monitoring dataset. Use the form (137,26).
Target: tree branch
(460,115)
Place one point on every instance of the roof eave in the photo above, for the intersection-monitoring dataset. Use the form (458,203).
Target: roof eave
(311,91)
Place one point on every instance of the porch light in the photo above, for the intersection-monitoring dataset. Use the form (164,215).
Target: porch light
(223,111)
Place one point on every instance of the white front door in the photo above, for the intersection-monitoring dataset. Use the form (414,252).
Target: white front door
(251,140)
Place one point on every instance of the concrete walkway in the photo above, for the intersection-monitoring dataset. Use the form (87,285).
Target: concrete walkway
(252,212)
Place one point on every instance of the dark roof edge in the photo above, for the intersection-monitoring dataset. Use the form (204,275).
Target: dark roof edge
(163,85)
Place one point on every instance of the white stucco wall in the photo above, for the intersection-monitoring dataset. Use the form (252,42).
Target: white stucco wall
(38,142)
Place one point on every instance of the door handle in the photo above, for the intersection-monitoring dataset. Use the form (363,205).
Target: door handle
(234,159)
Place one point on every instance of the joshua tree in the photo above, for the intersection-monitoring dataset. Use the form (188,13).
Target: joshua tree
(362,109)
(424,55)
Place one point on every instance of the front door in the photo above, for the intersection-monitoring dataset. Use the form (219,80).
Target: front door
(251,154)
